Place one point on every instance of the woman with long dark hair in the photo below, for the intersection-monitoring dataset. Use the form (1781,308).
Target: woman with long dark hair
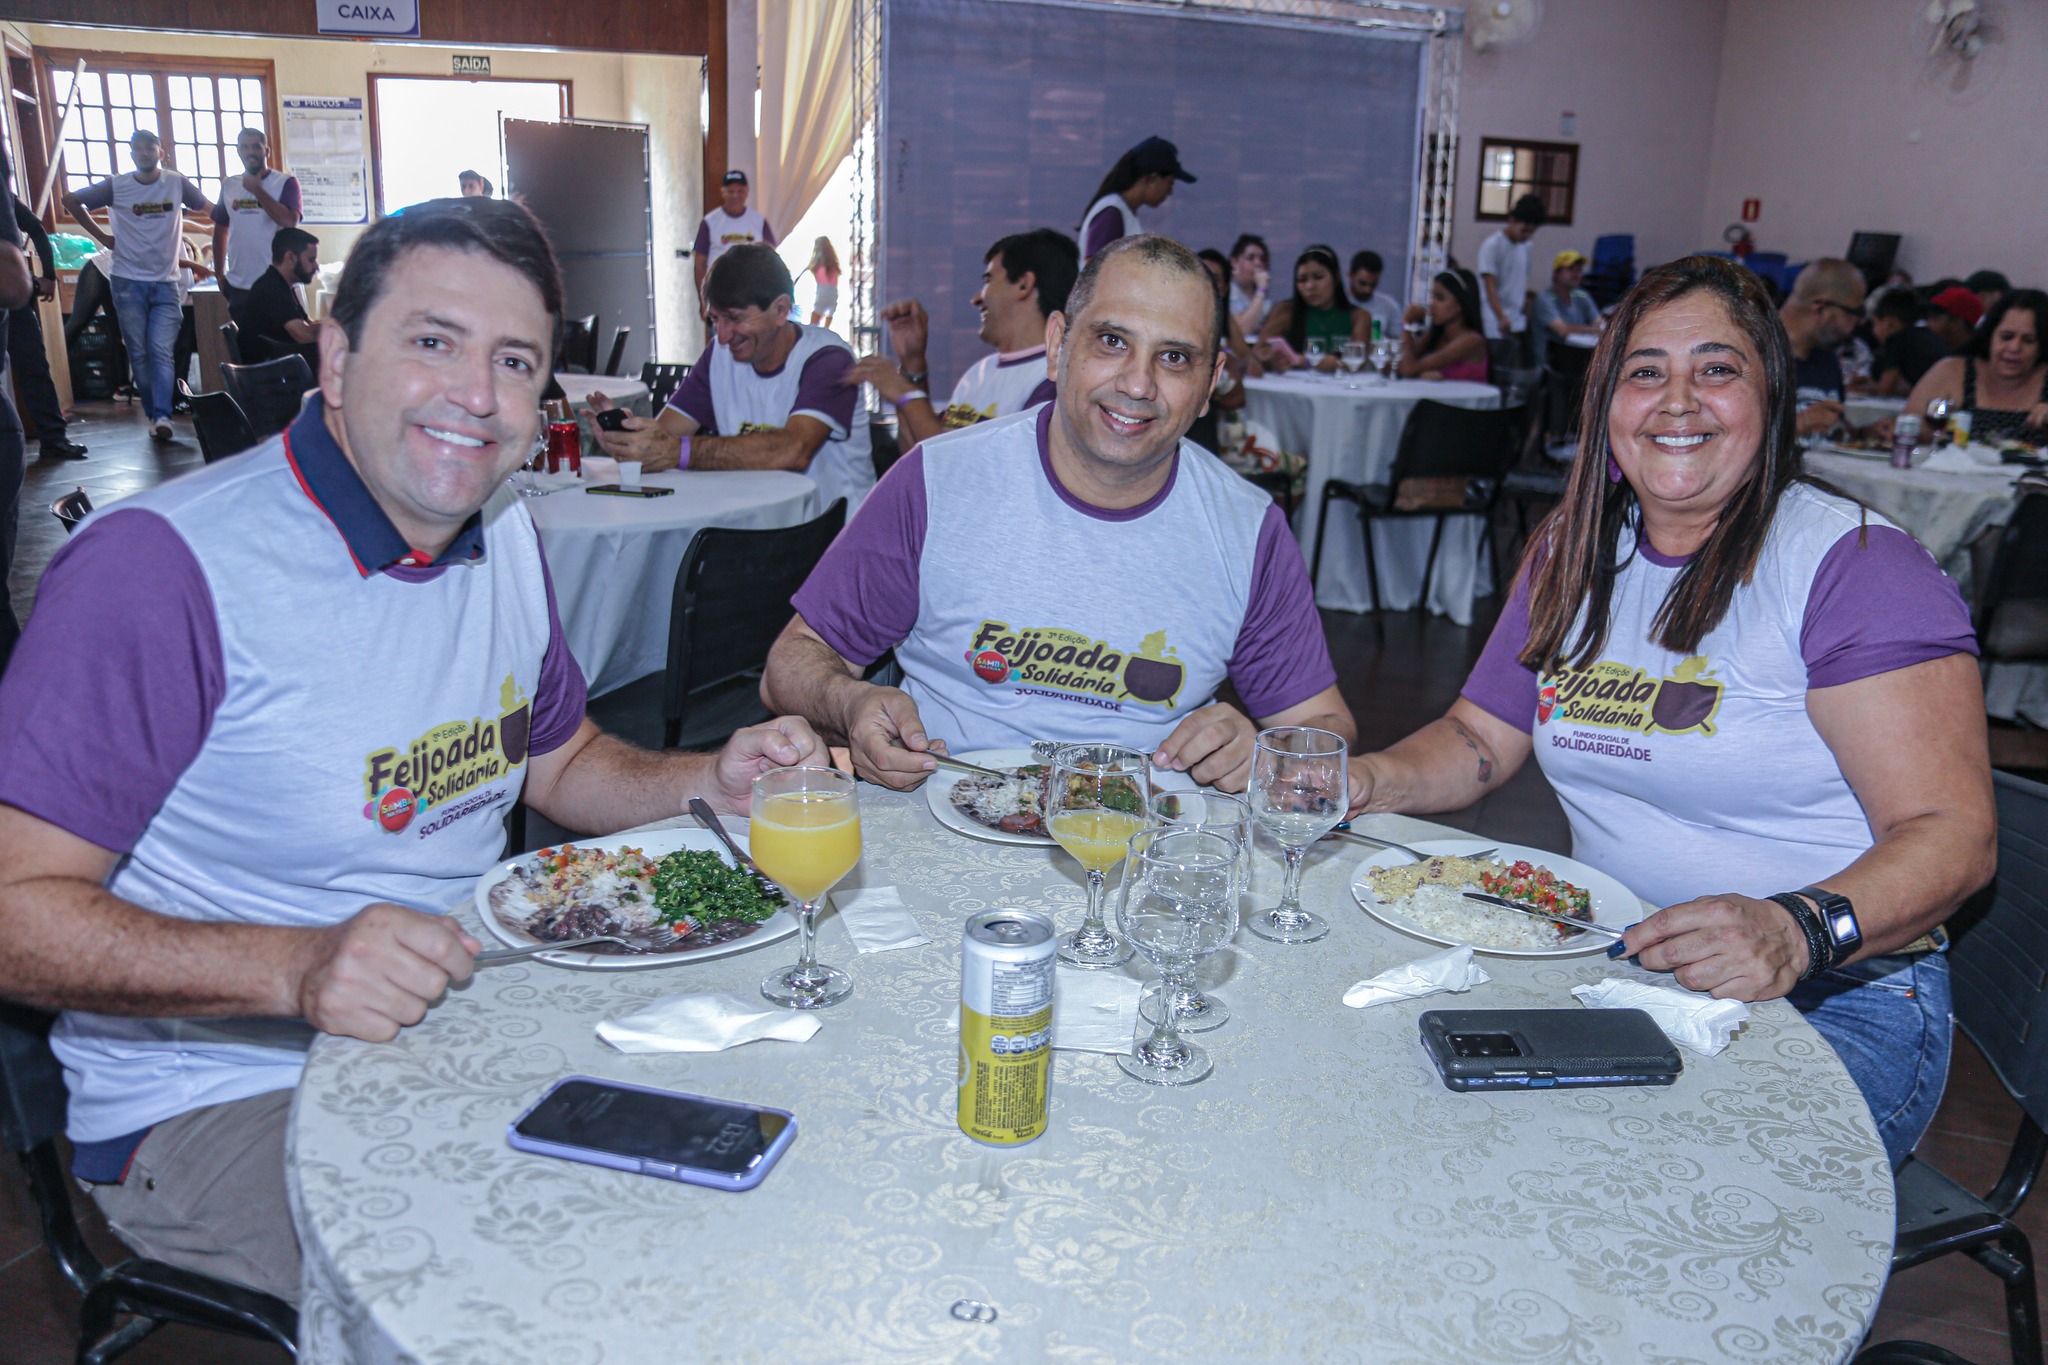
(2001,377)
(1756,700)
(1317,310)
(1454,344)
(1143,177)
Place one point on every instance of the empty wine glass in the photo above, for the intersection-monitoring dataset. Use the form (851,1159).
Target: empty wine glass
(1196,1011)
(1300,789)
(1179,905)
(1094,803)
(1383,353)
(1352,357)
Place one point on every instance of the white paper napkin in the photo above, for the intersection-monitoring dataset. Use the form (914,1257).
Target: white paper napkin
(1450,970)
(600,469)
(1970,459)
(877,920)
(1699,1022)
(1095,1011)
(703,1023)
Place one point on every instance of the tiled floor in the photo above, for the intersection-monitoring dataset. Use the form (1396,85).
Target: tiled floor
(1398,672)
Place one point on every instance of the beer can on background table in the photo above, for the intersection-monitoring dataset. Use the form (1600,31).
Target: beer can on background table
(1905,435)
(1006,982)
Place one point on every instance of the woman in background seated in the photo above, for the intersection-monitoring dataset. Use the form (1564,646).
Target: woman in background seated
(1318,311)
(2001,377)
(1756,700)
(1454,344)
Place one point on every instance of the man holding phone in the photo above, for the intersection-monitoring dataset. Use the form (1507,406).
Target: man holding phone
(252,208)
(266,726)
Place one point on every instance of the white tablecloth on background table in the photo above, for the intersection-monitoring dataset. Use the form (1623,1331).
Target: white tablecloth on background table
(625,391)
(1943,511)
(1860,410)
(614,559)
(1352,434)
(1321,1196)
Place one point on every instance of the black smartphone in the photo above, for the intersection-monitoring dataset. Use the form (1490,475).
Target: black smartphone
(613,419)
(612,490)
(655,1132)
(1545,1049)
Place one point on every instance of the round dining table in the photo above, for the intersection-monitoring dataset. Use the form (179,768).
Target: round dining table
(614,559)
(1945,508)
(1349,427)
(1320,1196)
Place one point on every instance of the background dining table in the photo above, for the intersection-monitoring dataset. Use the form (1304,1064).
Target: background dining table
(1349,428)
(1942,509)
(1321,1196)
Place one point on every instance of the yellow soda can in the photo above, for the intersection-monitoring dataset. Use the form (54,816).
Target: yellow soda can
(1006,976)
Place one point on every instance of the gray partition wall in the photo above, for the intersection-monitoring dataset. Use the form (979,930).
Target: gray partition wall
(1001,115)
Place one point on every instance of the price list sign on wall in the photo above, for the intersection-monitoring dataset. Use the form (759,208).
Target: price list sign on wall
(324,145)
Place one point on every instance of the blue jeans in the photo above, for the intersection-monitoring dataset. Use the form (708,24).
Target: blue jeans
(150,315)
(1888,1020)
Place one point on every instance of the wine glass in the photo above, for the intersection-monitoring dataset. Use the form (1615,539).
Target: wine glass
(1300,789)
(1352,358)
(1095,802)
(804,836)
(1316,350)
(1196,1011)
(524,483)
(1383,352)
(1179,905)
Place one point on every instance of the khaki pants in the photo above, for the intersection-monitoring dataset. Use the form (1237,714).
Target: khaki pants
(206,1192)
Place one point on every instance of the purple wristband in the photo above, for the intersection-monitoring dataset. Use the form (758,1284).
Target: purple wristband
(683,454)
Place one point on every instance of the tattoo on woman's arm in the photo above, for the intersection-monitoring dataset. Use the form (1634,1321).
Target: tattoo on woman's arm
(1485,763)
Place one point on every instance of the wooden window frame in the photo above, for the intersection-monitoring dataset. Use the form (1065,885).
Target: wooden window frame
(157,65)
(1571,188)
(376,137)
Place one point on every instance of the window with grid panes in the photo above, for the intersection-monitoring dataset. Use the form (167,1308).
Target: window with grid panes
(1509,170)
(197,113)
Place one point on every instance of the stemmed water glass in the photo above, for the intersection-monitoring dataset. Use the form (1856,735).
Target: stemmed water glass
(1179,905)
(524,483)
(1300,789)
(1096,801)
(1196,1011)
(805,836)
(1383,352)
(1352,358)
(1317,348)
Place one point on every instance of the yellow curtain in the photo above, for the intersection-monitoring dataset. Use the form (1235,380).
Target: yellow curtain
(806,104)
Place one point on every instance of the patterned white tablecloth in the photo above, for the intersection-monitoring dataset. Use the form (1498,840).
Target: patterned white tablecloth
(614,560)
(1320,1197)
(1944,512)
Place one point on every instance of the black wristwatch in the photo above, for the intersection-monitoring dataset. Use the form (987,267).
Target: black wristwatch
(1820,953)
(1838,917)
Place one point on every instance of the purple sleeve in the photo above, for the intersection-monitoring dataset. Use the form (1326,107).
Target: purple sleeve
(1044,393)
(192,197)
(1500,684)
(862,598)
(558,704)
(822,391)
(113,687)
(1103,229)
(692,397)
(1880,602)
(220,207)
(1281,658)
(99,196)
(703,247)
(290,197)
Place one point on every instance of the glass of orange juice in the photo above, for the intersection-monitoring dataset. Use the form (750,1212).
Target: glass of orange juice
(1096,799)
(804,834)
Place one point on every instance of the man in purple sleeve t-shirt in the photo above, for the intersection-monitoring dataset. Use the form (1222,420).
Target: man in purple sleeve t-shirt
(1073,572)
(265,710)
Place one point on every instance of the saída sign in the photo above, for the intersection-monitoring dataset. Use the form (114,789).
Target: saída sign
(370,18)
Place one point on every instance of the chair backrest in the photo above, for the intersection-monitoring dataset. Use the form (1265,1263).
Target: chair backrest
(732,599)
(71,509)
(2019,566)
(270,394)
(661,379)
(1617,249)
(1440,441)
(1999,962)
(618,353)
(231,336)
(222,429)
(579,345)
(1873,253)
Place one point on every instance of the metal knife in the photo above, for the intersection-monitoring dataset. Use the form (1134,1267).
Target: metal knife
(709,819)
(1567,921)
(948,761)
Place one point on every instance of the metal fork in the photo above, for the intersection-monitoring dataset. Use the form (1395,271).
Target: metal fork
(495,956)
(1345,831)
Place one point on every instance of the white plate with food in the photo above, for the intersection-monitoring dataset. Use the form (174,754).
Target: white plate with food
(674,889)
(1008,810)
(1427,899)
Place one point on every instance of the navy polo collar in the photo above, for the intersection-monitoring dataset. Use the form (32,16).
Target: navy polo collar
(331,482)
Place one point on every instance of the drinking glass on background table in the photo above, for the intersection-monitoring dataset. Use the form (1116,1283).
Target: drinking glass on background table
(1196,1011)
(1300,789)
(1097,799)
(1316,350)
(1179,905)
(1352,358)
(805,835)
(523,481)
(1383,352)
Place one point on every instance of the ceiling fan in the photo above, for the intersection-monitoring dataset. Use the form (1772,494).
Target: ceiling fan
(1492,24)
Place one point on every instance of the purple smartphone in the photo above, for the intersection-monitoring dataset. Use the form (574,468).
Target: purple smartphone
(655,1132)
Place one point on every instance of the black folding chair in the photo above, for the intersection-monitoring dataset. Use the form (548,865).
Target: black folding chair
(148,1293)
(661,379)
(2012,609)
(269,394)
(71,509)
(579,346)
(231,337)
(618,353)
(1442,443)
(218,422)
(1997,967)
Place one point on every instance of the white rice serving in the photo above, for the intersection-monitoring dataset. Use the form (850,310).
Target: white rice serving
(1443,912)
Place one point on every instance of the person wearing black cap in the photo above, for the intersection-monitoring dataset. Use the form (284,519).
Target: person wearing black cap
(1143,177)
(729,225)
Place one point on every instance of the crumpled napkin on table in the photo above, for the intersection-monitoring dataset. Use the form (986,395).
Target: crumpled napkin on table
(703,1023)
(1699,1022)
(877,920)
(1450,970)
(1095,1011)
(600,469)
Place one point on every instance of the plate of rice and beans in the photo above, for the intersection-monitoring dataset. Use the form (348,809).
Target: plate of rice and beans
(1427,898)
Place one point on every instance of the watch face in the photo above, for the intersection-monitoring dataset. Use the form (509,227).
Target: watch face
(1843,926)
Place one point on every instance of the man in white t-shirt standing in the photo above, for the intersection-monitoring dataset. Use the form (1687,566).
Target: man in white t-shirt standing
(729,225)
(250,210)
(768,392)
(145,207)
(1504,278)
(1025,279)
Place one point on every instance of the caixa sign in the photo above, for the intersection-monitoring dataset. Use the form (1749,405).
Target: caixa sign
(372,18)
